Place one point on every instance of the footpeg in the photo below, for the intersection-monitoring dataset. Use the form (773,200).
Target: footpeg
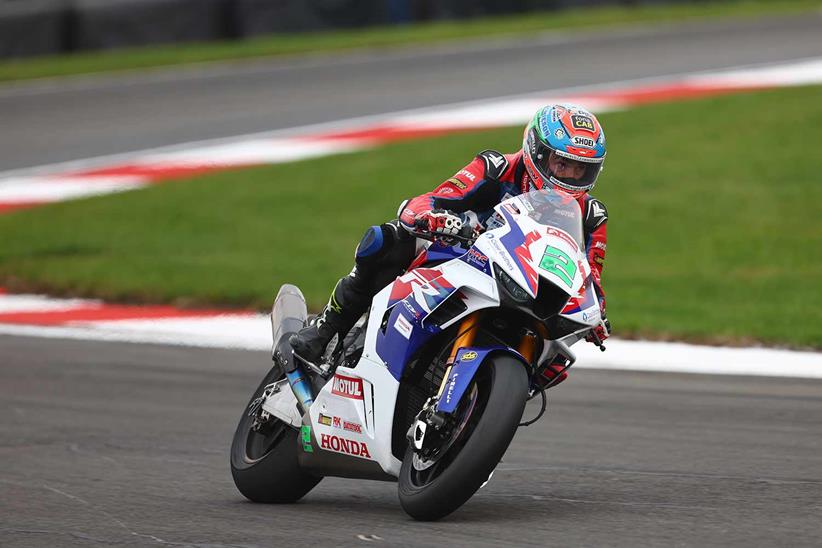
(323,370)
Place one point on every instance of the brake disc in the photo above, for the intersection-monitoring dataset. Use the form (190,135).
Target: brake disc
(422,463)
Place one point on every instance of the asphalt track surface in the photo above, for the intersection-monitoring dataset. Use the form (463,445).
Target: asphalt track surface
(56,120)
(118,444)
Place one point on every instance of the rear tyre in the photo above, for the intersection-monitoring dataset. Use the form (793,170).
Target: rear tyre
(264,463)
(433,493)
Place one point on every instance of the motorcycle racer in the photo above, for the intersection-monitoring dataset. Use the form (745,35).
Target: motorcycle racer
(563,149)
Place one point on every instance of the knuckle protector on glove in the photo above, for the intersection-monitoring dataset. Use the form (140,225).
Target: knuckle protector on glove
(444,222)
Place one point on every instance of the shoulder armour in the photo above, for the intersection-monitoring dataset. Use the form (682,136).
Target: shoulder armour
(595,214)
(495,163)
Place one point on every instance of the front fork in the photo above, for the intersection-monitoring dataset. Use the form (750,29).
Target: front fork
(468,332)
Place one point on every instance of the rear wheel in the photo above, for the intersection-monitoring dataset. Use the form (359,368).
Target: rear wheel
(488,416)
(264,455)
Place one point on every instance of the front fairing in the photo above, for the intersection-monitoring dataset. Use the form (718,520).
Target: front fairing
(539,244)
(541,239)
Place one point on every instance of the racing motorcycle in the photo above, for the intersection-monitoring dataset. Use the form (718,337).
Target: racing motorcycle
(430,386)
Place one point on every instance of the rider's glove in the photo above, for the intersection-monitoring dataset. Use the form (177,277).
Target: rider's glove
(602,331)
(440,223)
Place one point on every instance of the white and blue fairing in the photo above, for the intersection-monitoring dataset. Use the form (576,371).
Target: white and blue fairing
(540,242)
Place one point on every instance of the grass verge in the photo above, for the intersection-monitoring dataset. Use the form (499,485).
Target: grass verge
(380,37)
(715,230)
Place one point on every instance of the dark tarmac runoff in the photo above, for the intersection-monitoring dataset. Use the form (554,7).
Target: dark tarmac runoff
(122,444)
(55,120)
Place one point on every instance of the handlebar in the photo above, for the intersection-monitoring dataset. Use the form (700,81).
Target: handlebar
(466,234)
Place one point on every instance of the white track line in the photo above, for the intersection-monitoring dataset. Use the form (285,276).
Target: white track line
(688,358)
(249,331)
(253,332)
(10,304)
(57,189)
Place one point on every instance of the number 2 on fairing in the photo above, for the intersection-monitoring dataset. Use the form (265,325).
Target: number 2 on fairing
(558,262)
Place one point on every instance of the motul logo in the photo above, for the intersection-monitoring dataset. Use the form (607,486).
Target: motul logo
(342,445)
(348,387)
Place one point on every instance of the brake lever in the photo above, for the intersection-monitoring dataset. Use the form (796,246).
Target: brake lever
(447,239)
(597,341)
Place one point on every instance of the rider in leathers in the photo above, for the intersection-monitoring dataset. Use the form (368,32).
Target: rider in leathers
(563,149)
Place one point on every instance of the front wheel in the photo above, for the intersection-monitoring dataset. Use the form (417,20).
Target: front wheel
(490,412)
(264,456)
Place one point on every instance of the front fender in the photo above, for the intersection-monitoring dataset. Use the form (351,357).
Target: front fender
(462,372)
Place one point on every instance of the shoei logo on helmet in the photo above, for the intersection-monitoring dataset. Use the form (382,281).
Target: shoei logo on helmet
(582,122)
(583,141)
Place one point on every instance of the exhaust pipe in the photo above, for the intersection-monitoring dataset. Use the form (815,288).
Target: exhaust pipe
(288,316)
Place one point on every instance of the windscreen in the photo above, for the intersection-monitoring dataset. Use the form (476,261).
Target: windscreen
(556,209)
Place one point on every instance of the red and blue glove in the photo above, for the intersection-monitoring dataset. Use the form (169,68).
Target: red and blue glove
(600,332)
(440,223)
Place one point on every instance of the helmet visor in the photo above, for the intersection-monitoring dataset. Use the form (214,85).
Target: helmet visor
(578,173)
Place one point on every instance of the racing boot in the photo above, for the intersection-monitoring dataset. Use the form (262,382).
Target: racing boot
(344,308)
(383,253)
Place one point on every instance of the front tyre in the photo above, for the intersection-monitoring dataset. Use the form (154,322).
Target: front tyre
(264,457)
(436,491)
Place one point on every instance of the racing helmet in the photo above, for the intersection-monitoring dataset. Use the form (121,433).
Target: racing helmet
(571,132)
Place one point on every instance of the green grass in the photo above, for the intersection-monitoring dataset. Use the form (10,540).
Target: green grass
(715,230)
(381,37)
